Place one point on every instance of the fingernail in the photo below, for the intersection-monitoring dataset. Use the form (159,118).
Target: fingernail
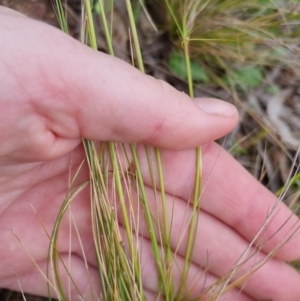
(216,107)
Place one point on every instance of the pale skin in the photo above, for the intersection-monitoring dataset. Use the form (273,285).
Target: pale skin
(53,91)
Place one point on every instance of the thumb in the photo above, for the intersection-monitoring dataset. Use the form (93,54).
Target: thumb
(79,92)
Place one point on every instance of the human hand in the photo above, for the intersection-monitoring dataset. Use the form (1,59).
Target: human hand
(53,91)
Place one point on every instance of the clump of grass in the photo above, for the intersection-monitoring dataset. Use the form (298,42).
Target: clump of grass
(112,189)
(236,38)
(236,48)
(119,269)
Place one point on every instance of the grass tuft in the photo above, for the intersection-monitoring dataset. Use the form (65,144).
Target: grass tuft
(232,42)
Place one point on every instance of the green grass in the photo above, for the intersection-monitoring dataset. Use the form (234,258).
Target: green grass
(119,270)
(239,40)
(235,40)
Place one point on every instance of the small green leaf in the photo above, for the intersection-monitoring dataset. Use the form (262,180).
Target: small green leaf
(280,51)
(177,66)
(249,77)
(198,73)
(97,8)
(273,89)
